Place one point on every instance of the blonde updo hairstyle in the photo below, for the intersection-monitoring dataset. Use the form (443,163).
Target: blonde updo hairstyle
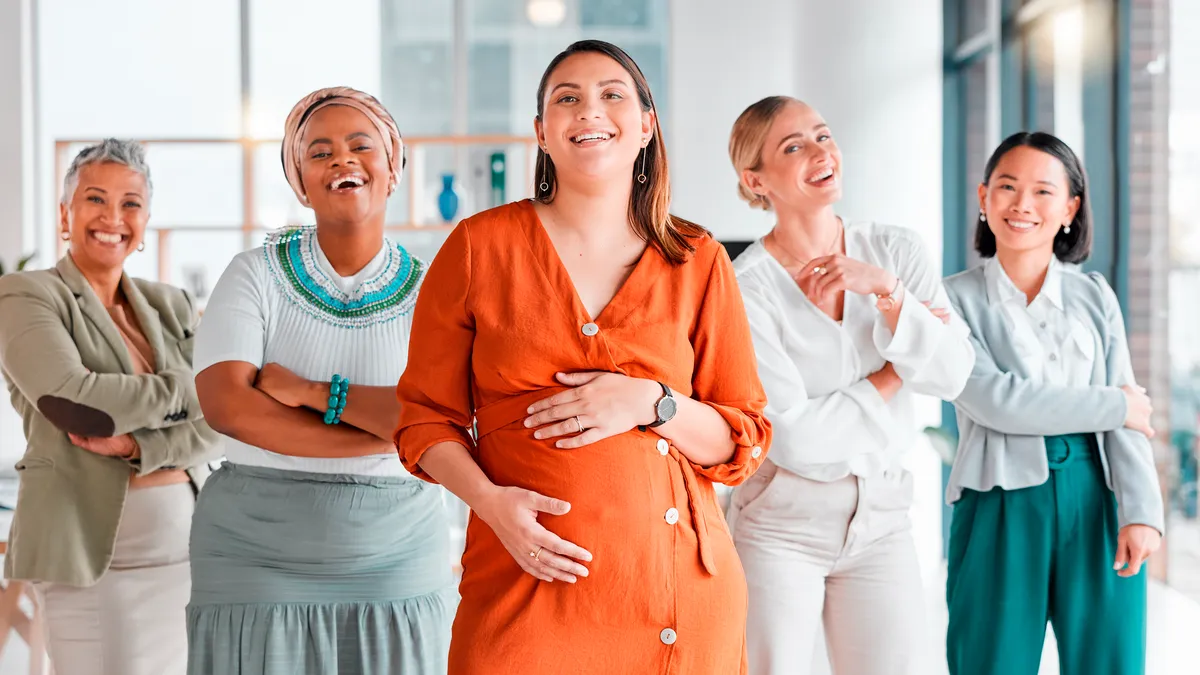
(747,139)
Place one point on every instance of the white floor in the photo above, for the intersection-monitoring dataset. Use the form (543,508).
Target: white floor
(1173,643)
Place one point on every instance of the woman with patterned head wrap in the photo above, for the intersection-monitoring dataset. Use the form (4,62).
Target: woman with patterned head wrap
(313,550)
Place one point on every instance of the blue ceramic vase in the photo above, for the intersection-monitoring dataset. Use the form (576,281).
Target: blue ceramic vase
(448,198)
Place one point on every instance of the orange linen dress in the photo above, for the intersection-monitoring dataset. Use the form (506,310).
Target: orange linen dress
(497,317)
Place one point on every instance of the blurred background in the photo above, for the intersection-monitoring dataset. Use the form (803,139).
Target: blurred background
(917,92)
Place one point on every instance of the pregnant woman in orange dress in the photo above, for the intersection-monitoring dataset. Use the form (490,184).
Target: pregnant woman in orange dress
(601,349)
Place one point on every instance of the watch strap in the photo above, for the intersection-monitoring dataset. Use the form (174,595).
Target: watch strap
(658,421)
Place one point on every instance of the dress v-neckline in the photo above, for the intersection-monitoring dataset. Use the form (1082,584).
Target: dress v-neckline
(619,305)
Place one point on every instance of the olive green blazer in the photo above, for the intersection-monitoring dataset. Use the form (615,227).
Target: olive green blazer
(68,370)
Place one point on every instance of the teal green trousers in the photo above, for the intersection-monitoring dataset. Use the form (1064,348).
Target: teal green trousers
(1021,558)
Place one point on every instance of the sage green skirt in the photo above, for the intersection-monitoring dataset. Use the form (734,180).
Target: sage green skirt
(296,572)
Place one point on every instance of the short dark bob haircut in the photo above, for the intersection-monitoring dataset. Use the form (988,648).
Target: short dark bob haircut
(1069,247)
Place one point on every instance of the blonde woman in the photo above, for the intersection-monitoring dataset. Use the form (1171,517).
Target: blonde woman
(845,337)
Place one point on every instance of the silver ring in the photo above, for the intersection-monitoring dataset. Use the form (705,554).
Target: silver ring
(578,424)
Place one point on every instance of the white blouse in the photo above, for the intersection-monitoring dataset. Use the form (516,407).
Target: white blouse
(284,303)
(829,422)
(1055,348)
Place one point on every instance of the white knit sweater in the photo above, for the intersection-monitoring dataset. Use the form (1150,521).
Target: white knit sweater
(284,303)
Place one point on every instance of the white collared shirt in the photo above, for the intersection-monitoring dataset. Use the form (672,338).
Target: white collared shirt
(1054,348)
(828,420)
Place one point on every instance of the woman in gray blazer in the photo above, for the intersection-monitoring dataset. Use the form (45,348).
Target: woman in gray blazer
(1057,502)
(99,366)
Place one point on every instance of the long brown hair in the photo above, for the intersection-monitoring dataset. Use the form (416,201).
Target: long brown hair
(650,201)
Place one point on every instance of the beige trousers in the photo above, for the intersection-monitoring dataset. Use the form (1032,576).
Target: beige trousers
(835,555)
(131,622)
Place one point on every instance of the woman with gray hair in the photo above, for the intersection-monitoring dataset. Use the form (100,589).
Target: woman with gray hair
(98,364)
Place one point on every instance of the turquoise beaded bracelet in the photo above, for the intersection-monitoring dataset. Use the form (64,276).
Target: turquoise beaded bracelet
(338,387)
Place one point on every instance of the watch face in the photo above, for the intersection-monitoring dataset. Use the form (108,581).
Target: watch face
(666,409)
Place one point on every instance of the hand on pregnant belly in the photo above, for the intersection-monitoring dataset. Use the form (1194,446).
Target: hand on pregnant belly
(599,405)
(512,514)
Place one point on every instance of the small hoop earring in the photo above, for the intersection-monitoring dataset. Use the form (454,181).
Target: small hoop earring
(65,236)
(642,176)
(982,217)
(142,246)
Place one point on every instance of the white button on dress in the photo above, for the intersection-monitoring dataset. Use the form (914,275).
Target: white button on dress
(672,516)
(663,447)
(590,329)
(756,452)
(668,636)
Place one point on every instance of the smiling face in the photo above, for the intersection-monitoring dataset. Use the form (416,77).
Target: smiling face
(801,165)
(106,215)
(1027,200)
(592,123)
(344,166)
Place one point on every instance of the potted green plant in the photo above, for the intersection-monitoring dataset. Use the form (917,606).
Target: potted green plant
(20,263)
(944,443)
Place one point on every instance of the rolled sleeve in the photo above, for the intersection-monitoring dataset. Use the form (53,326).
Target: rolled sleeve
(725,377)
(751,432)
(435,391)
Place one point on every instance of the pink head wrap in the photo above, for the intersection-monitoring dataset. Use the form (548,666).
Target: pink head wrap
(302,112)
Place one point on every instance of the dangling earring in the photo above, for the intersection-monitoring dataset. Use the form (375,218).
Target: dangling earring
(1067,228)
(65,236)
(544,186)
(982,217)
(142,246)
(642,176)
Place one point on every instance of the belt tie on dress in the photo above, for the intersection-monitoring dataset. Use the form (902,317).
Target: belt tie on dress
(502,413)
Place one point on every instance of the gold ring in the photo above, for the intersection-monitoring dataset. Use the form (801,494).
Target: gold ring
(536,555)
(820,270)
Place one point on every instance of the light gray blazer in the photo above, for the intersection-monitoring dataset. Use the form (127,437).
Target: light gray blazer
(1003,416)
(69,371)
